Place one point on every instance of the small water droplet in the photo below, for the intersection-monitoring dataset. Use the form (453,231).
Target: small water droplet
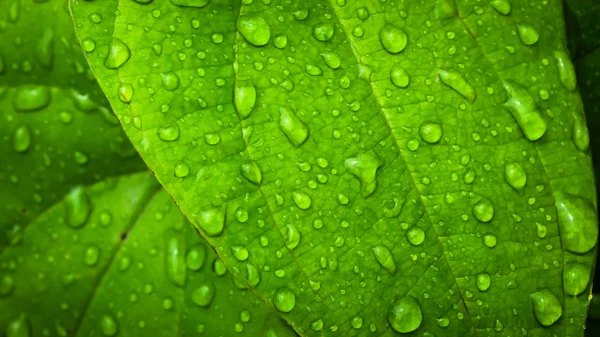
(301,199)
(77,207)
(211,221)
(515,176)
(170,81)
(415,236)
(384,258)
(118,54)
(91,255)
(22,138)
(483,210)
(18,327)
(581,137)
(203,295)
(399,76)
(195,257)
(244,98)
(362,13)
(190,3)
(566,70)
(501,6)
(393,39)
(528,35)
(316,325)
(576,277)
(523,108)
(240,253)
(292,236)
(125,92)
(108,325)
(293,128)
(32,98)
(458,83)
(331,59)
(169,132)
(254,29)
(405,315)
(430,132)
(322,31)
(546,307)
(175,259)
(251,171)
(364,167)
(483,281)
(7,285)
(578,223)
(284,300)
(181,170)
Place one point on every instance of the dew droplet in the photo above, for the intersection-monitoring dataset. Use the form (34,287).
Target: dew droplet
(483,281)
(22,138)
(566,70)
(284,300)
(384,257)
(364,167)
(576,277)
(528,35)
(578,223)
(362,13)
(252,276)
(190,3)
(292,236)
(546,307)
(430,132)
(203,295)
(501,6)
(181,170)
(490,240)
(254,29)
(415,236)
(125,92)
(169,132)
(108,325)
(458,83)
(118,54)
(301,199)
(405,315)
(77,207)
(91,255)
(483,210)
(7,285)
(280,41)
(195,258)
(211,221)
(322,31)
(32,98)
(399,76)
(515,176)
(523,108)
(175,260)
(316,325)
(581,137)
(251,171)
(293,128)
(392,39)
(170,81)
(212,138)
(244,98)
(240,252)
(331,59)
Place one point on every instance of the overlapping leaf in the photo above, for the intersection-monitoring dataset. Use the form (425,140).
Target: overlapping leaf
(386,166)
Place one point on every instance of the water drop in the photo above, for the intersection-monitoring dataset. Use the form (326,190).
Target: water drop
(18,327)
(293,128)
(118,54)
(254,29)
(528,35)
(195,258)
(175,259)
(405,315)
(32,98)
(168,132)
(362,13)
(490,240)
(280,41)
(501,6)
(523,108)
(399,76)
(211,221)
(170,81)
(364,167)
(415,236)
(203,295)
(515,176)
(77,207)
(22,138)
(88,45)
(292,236)
(392,39)
(108,325)
(566,70)
(483,210)
(576,277)
(578,223)
(7,285)
(483,281)
(458,83)
(244,98)
(251,171)
(316,325)
(212,138)
(546,307)
(331,59)
(581,137)
(430,132)
(301,199)
(322,31)
(181,170)
(284,300)
(384,258)
(240,253)
(190,3)
(125,92)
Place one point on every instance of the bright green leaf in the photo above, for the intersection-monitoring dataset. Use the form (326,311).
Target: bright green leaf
(479,136)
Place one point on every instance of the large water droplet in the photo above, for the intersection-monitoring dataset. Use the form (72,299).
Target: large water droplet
(291,236)
(415,236)
(576,277)
(108,325)
(523,108)
(77,206)
(483,210)
(392,39)
(399,76)
(384,258)
(191,3)
(195,257)
(546,307)
(18,327)
(254,29)
(22,138)
(284,300)
(203,295)
(322,31)
(581,136)
(175,259)
(293,128)
(125,92)
(483,281)
(458,83)
(252,275)
(169,132)
(251,171)
(405,315)
(566,71)
(364,167)
(331,59)
(501,6)
(240,253)
(91,255)
(430,132)
(301,199)
(244,98)
(578,223)
(118,54)
(211,221)
(515,176)
(170,81)
(528,35)
(31,98)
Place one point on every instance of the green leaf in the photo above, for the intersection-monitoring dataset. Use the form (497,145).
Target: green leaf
(387,166)
(57,129)
(134,267)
